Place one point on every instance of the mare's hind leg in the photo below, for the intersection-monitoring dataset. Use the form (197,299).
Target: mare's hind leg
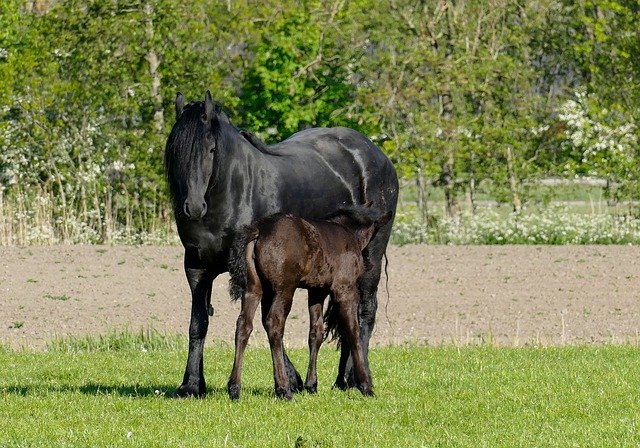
(347,303)
(295,381)
(244,327)
(274,325)
(316,335)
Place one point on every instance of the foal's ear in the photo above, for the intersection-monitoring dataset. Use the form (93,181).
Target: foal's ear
(179,105)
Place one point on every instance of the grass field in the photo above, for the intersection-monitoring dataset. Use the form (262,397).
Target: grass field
(446,396)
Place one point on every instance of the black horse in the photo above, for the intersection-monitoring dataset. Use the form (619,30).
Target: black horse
(222,179)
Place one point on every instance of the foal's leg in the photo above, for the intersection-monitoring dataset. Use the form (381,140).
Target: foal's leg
(316,335)
(295,381)
(274,324)
(368,307)
(347,302)
(244,327)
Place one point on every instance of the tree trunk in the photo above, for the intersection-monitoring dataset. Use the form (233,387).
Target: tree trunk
(154,64)
(422,196)
(513,182)
(472,185)
(448,172)
(610,190)
(448,177)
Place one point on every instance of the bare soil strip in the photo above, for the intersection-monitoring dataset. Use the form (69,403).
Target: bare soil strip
(505,295)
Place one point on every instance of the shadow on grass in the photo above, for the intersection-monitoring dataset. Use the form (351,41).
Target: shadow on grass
(135,390)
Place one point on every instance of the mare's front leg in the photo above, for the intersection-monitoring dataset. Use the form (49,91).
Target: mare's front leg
(200,281)
(316,336)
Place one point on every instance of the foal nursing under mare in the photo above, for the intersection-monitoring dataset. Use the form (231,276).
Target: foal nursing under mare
(281,253)
(222,179)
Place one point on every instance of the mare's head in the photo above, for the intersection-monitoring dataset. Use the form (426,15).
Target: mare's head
(363,221)
(192,154)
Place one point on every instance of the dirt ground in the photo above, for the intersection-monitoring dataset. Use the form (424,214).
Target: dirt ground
(507,295)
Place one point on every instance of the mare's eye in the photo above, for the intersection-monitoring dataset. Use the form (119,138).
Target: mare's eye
(212,148)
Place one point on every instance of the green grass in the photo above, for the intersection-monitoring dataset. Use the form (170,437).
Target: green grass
(447,396)
(121,340)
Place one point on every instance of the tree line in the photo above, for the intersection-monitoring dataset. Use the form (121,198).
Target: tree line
(468,96)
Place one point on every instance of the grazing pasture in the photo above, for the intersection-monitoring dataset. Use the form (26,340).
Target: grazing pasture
(425,396)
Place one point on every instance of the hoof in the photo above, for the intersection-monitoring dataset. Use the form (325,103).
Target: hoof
(345,382)
(190,390)
(311,388)
(341,384)
(234,391)
(367,391)
(283,393)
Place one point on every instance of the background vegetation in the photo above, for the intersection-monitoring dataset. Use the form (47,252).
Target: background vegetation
(478,103)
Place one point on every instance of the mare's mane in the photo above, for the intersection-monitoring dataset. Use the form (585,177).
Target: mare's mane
(256,142)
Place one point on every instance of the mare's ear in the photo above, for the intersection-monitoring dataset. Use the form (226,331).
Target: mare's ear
(179,105)
(368,204)
(384,220)
(210,106)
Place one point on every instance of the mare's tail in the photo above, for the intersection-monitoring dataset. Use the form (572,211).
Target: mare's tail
(238,256)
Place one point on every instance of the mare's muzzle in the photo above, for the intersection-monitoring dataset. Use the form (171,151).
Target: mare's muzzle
(194,209)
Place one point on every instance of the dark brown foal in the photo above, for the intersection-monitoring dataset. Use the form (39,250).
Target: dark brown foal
(281,253)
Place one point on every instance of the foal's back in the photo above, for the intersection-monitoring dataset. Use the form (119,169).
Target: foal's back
(293,252)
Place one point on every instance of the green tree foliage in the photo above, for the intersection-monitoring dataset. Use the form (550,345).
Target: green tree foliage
(462,94)
(296,77)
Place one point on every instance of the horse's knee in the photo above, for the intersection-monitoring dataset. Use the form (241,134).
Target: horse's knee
(317,330)
(244,327)
(274,327)
(198,328)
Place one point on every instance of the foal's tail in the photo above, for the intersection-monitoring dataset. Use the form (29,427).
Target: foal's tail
(238,256)
(331,327)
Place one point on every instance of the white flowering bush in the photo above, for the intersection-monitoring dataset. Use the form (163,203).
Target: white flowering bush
(552,225)
(62,183)
(600,148)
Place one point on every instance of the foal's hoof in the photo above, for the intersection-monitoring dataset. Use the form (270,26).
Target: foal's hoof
(367,391)
(341,384)
(190,390)
(311,388)
(345,382)
(234,391)
(283,393)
